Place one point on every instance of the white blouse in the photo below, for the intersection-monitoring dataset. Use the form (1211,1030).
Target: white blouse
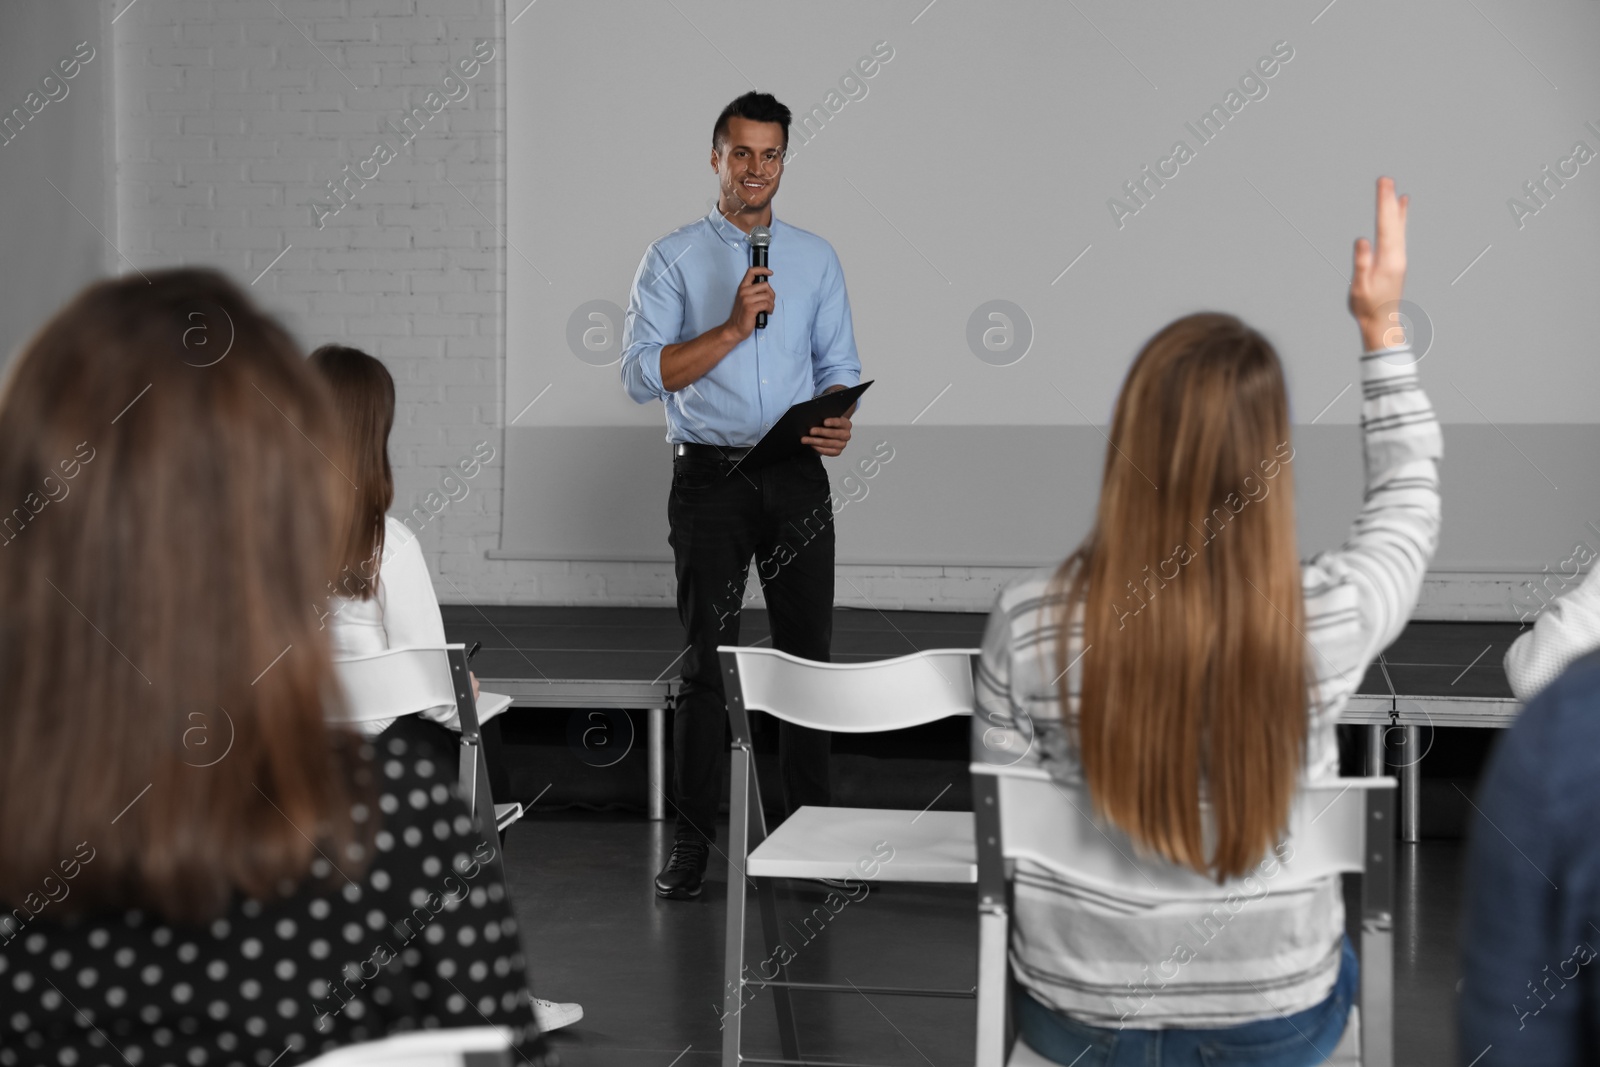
(404,611)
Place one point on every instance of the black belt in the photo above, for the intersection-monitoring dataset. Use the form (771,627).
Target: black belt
(691,450)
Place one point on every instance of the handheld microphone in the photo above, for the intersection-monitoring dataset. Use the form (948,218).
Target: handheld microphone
(760,238)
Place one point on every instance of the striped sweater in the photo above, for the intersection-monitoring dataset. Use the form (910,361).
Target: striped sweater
(1165,963)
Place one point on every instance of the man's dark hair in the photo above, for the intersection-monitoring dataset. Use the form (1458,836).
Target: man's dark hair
(757,107)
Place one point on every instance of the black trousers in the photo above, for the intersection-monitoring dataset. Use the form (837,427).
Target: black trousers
(720,519)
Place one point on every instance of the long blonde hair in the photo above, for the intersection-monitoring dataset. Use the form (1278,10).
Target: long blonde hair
(1196,683)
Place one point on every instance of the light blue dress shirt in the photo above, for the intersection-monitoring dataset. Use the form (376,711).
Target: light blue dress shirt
(685,286)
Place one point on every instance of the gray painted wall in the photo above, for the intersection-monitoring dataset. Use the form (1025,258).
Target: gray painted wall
(1023,496)
(58,134)
(985,160)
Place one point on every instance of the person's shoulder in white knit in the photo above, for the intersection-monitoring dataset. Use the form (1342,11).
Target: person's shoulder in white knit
(1563,633)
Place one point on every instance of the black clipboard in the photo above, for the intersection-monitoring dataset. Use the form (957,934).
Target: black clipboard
(782,441)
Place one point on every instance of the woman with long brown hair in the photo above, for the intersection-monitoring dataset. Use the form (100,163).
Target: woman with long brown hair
(1184,660)
(194,867)
(383,597)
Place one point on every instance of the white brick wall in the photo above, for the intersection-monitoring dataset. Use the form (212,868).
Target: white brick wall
(229,124)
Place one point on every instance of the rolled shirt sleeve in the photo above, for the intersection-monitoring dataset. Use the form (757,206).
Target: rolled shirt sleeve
(654,319)
(834,359)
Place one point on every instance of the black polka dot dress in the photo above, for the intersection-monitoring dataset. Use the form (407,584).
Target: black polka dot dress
(423,939)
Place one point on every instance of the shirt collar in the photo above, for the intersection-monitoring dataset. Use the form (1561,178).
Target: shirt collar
(731,234)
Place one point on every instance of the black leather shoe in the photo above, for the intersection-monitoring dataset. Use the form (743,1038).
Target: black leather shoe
(680,879)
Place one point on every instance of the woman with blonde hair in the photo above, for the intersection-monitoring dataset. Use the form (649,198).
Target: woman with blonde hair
(1184,658)
(195,867)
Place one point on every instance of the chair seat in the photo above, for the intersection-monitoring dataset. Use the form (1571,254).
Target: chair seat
(421,1048)
(1023,1055)
(931,846)
(490,705)
(1347,1054)
(506,814)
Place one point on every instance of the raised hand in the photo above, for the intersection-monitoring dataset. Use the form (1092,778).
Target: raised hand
(1380,273)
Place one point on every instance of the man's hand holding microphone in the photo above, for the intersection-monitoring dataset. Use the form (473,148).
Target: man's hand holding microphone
(753,301)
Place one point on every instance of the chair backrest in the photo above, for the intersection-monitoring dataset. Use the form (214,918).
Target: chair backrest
(885,694)
(1335,825)
(467,1046)
(1053,824)
(395,682)
(403,681)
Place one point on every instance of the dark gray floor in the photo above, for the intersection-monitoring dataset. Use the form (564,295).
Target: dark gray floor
(649,972)
(1426,967)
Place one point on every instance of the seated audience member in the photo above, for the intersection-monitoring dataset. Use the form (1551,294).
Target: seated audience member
(1565,630)
(197,868)
(1183,657)
(384,597)
(1531,916)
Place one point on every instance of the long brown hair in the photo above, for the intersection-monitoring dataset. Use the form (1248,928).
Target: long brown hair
(1194,680)
(363,394)
(163,683)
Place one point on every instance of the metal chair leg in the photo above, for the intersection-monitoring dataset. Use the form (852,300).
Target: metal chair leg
(788,1039)
(1377,933)
(484,803)
(993,976)
(474,768)
(733,945)
(656,745)
(993,1016)
(747,829)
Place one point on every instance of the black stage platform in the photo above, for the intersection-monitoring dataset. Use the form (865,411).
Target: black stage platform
(1451,660)
(603,662)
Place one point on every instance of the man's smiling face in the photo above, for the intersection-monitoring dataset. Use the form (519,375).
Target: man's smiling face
(749,165)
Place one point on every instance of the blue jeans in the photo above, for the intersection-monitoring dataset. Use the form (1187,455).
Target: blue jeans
(1299,1040)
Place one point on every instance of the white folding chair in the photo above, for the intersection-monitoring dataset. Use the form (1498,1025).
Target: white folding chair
(467,1046)
(1337,825)
(404,681)
(815,842)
